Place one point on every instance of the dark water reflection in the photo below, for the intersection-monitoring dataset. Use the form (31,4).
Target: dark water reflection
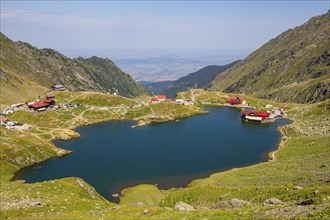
(111,156)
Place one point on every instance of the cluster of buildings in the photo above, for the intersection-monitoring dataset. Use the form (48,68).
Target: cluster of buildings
(253,115)
(250,114)
(160,98)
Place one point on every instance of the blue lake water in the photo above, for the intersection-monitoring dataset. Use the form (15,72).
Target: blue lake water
(111,156)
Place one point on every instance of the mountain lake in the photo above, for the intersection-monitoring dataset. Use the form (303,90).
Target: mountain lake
(112,156)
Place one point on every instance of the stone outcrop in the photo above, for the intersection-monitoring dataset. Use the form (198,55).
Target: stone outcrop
(181,206)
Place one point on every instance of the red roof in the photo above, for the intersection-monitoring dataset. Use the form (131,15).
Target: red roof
(48,101)
(256,113)
(154,99)
(235,101)
(161,97)
(4,119)
(39,105)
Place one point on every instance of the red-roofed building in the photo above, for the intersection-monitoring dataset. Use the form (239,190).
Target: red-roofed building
(154,100)
(42,105)
(49,101)
(253,115)
(235,101)
(4,120)
(161,98)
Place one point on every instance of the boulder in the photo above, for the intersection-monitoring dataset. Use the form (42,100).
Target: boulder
(307,202)
(181,206)
(298,187)
(232,203)
(116,207)
(273,201)
(137,204)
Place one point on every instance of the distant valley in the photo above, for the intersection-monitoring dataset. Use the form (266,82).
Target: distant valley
(199,79)
(158,66)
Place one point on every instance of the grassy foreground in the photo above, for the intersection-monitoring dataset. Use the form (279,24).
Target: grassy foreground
(298,172)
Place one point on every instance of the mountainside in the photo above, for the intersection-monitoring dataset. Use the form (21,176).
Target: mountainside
(295,66)
(23,65)
(198,79)
(156,87)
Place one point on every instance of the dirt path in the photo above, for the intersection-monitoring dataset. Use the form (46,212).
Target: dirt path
(73,99)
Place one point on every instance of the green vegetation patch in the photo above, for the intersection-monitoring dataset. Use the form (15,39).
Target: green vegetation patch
(93,99)
(147,194)
(69,198)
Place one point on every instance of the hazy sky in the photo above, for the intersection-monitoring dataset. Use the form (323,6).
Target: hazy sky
(107,25)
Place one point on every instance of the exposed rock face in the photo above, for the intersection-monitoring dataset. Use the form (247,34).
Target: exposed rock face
(181,206)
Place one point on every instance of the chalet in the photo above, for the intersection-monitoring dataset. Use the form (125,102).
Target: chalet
(41,105)
(253,115)
(168,100)
(161,98)
(4,120)
(236,101)
(57,87)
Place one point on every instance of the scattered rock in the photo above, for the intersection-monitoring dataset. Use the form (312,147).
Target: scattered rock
(316,192)
(137,204)
(307,202)
(291,212)
(97,205)
(35,203)
(273,201)
(81,183)
(232,203)
(323,165)
(91,192)
(62,152)
(116,207)
(181,206)
(146,211)
(115,195)
(298,187)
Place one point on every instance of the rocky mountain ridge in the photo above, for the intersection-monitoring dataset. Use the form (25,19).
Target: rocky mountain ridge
(293,67)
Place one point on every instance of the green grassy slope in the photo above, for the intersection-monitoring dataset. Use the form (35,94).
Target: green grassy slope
(27,72)
(295,66)
(298,162)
